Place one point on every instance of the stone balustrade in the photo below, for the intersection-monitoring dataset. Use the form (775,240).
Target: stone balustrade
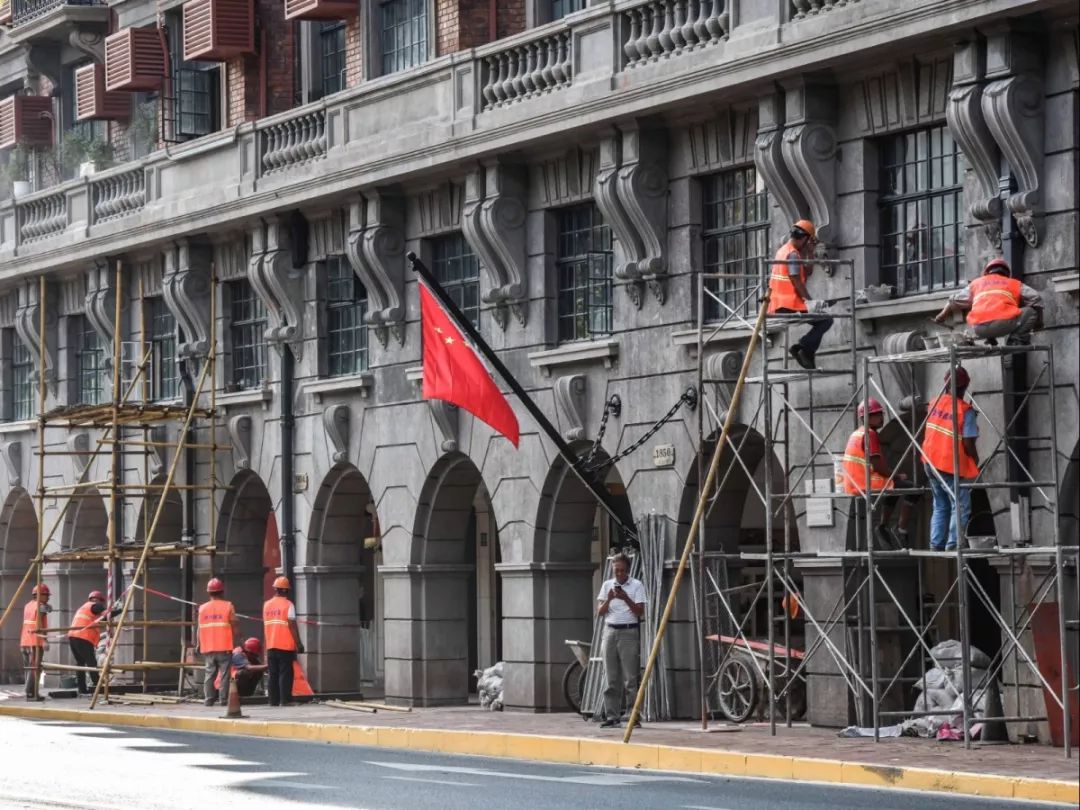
(527,70)
(294,141)
(808,8)
(118,195)
(667,28)
(43,217)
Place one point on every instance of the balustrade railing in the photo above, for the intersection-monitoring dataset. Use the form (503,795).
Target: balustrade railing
(43,217)
(118,195)
(527,70)
(23,11)
(289,143)
(808,8)
(666,28)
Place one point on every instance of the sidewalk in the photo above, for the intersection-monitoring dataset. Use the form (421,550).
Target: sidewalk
(1031,772)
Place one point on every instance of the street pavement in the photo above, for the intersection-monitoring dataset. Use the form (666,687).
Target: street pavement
(64,765)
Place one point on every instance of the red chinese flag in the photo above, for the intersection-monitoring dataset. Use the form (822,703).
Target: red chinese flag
(453,372)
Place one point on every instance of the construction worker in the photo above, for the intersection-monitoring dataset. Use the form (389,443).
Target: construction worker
(621,604)
(32,639)
(282,642)
(937,451)
(215,640)
(998,305)
(864,443)
(788,293)
(247,667)
(84,635)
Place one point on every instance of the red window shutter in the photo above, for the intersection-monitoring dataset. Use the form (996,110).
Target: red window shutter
(216,30)
(22,121)
(5,12)
(134,60)
(92,100)
(320,9)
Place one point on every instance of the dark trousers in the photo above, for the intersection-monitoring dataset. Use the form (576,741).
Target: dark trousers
(811,341)
(279,675)
(247,682)
(85,656)
(31,658)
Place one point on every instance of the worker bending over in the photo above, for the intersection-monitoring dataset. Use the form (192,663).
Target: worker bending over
(937,450)
(282,642)
(215,640)
(787,289)
(245,667)
(84,635)
(32,639)
(864,443)
(998,305)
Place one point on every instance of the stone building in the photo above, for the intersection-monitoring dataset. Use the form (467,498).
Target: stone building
(566,170)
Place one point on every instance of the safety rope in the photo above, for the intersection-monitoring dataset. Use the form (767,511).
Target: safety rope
(689,399)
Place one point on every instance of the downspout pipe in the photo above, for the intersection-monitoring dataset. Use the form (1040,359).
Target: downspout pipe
(288,520)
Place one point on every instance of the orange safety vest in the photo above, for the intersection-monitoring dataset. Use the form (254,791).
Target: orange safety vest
(994,298)
(937,446)
(276,624)
(782,291)
(215,626)
(29,636)
(85,625)
(855,466)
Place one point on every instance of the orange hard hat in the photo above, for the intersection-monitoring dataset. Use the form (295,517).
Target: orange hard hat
(997,266)
(253,646)
(281,584)
(215,586)
(96,595)
(806,226)
(875,407)
(43,589)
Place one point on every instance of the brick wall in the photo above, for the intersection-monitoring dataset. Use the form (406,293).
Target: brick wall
(354,51)
(511,18)
(242,73)
(463,24)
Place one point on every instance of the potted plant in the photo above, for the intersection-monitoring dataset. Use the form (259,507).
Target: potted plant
(99,155)
(17,170)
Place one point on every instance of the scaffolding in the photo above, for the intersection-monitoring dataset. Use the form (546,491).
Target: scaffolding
(731,671)
(133,429)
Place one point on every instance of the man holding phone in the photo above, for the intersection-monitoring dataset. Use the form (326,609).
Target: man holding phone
(621,603)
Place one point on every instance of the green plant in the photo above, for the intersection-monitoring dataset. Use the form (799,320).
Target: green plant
(100,152)
(20,158)
(144,128)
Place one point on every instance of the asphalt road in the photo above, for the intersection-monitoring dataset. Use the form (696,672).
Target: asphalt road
(99,768)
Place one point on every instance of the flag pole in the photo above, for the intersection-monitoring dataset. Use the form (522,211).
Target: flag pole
(603,497)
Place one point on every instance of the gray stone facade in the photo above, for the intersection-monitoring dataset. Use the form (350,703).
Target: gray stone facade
(484,553)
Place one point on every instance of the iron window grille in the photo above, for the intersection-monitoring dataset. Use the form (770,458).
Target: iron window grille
(735,232)
(403,34)
(247,331)
(457,269)
(921,206)
(89,361)
(332,50)
(346,320)
(584,264)
(23,393)
(164,374)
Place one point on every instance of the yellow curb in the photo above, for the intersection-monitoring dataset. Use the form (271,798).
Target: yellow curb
(580,751)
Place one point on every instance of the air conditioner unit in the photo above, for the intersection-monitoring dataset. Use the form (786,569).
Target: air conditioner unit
(93,101)
(134,60)
(26,119)
(217,30)
(320,9)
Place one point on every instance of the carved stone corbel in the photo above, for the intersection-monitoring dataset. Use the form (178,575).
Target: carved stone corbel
(79,446)
(570,400)
(239,428)
(606,193)
(157,435)
(90,43)
(44,58)
(1012,104)
(185,286)
(643,192)
(903,373)
(278,284)
(336,423)
(968,127)
(493,221)
(809,149)
(100,308)
(28,330)
(446,419)
(11,453)
(376,251)
(722,370)
(769,158)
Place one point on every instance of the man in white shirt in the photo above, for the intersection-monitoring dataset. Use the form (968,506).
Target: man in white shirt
(621,602)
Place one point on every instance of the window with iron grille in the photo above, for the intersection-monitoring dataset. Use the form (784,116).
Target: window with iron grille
(560,8)
(735,230)
(195,103)
(164,374)
(584,266)
(247,328)
(922,205)
(332,48)
(458,271)
(24,394)
(86,131)
(89,361)
(403,34)
(346,316)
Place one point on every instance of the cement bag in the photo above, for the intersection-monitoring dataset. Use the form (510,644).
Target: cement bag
(933,679)
(947,653)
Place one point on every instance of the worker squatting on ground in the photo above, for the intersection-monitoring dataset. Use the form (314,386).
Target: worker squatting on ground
(865,443)
(937,452)
(788,293)
(215,640)
(245,668)
(282,642)
(84,635)
(997,305)
(32,643)
(622,601)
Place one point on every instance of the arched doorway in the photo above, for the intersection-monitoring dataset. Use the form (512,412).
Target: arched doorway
(162,643)
(18,542)
(246,514)
(342,585)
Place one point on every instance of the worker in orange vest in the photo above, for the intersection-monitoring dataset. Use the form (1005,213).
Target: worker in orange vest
(864,443)
(246,667)
(32,642)
(282,642)
(84,635)
(940,440)
(215,640)
(998,305)
(787,289)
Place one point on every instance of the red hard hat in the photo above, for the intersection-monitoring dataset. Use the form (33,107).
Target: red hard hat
(997,265)
(253,646)
(282,583)
(875,407)
(43,588)
(962,377)
(215,586)
(96,595)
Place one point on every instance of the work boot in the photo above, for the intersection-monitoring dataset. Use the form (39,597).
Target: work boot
(609,723)
(210,702)
(802,356)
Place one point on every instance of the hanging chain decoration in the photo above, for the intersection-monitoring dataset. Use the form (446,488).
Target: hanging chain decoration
(613,407)
(593,466)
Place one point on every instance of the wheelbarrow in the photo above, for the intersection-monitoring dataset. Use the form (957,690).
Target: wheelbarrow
(573,682)
(741,679)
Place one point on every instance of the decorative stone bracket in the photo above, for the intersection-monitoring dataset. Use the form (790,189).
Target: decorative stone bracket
(446,420)
(157,454)
(493,221)
(903,373)
(101,308)
(278,284)
(185,285)
(631,192)
(336,423)
(809,150)
(376,251)
(240,427)
(79,445)
(11,453)
(570,400)
(722,370)
(28,329)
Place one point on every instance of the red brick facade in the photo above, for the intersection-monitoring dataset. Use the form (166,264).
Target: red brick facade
(354,52)
(464,24)
(242,73)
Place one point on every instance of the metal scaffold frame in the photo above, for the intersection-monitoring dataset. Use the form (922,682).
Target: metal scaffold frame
(864,579)
(127,431)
